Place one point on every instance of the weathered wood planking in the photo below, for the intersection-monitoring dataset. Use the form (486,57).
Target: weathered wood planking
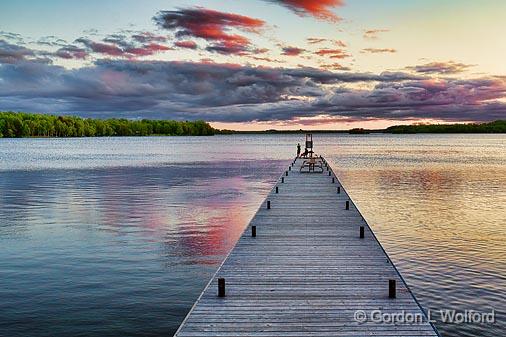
(305,273)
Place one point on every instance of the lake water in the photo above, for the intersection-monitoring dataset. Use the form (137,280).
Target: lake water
(118,236)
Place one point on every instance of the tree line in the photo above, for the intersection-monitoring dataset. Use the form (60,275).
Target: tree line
(491,127)
(18,124)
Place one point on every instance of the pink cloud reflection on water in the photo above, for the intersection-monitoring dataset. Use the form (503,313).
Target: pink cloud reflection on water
(197,220)
(212,224)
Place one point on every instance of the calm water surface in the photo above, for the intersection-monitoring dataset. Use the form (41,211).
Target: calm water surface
(118,236)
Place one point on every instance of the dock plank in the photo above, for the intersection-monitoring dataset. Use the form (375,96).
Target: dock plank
(306,272)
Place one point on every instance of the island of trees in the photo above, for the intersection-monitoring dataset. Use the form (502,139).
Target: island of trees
(14,124)
(491,127)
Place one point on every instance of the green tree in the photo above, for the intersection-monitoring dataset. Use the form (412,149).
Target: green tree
(40,125)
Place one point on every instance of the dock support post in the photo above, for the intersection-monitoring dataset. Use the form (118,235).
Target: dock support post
(221,287)
(333,180)
(254,231)
(330,173)
(361,232)
(277,189)
(391,289)
(268,204)
(282,179)
(347,204)
(338,189)
(289,168)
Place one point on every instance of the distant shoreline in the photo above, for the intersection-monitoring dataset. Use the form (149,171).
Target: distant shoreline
(498,126)
(26,125)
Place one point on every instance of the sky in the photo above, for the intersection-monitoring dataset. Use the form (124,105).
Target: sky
(257,64)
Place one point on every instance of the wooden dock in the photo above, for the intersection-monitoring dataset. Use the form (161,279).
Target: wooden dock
(307,272)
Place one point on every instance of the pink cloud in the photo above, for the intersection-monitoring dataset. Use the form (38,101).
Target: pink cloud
(186,44)
(333,53)
(71,52)
(212,26)
(320,9)
(147,50)
(121,48)
(292,51)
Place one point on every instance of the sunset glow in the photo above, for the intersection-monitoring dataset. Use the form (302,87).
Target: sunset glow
(254,65)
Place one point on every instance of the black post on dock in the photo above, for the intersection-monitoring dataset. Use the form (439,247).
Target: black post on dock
(333,180)
(391,289)
(268,204)
(286,173)
(221,287)
(338,189)
(254,231)
(282,179)
(347,204)
(361,232)
(277,189)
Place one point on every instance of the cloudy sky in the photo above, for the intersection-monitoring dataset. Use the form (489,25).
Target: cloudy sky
(257,64)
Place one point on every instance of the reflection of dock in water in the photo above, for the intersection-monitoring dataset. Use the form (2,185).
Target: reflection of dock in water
(307,265)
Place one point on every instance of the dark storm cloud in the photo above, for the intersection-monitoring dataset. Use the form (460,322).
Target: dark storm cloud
(327,77)
(451,100)
(236,93)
